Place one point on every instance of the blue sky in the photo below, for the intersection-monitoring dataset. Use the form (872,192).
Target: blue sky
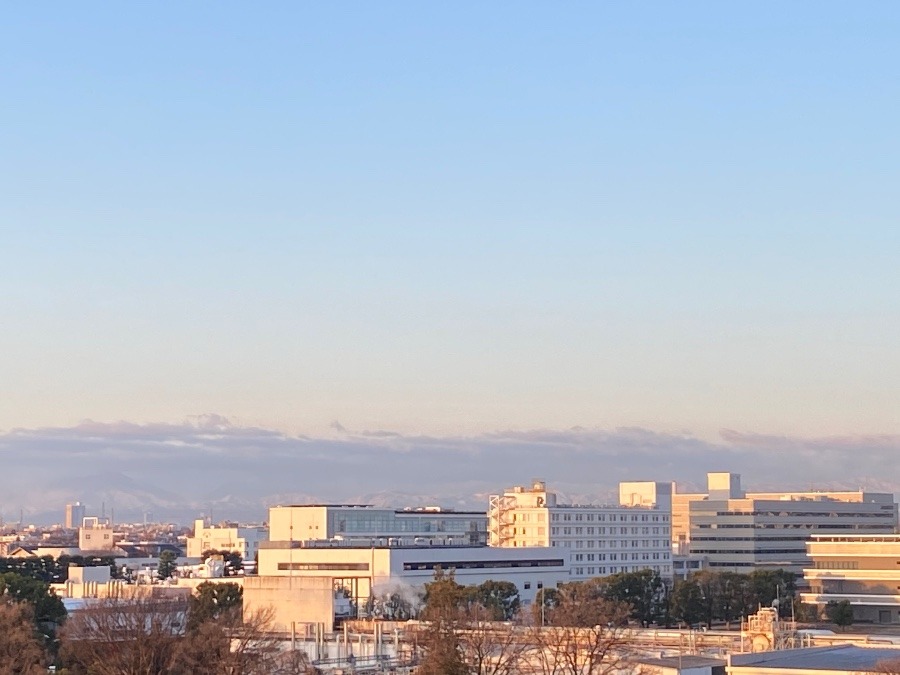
(452,219)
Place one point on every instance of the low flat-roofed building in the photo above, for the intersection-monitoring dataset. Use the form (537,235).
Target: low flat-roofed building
(360,569)
(834,660)
(864,570)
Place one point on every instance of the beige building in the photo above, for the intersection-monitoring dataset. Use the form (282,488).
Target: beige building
(245,540)
(861,569)
(725,486)
(741,532)
(96,534)
(601,540)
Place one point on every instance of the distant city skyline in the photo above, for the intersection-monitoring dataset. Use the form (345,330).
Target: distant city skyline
(453,221)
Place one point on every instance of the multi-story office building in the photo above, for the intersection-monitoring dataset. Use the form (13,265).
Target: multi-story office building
(742,533)
(861,569)
(602,540)
(360,522)
(725,485)
(244,540)
(74,515)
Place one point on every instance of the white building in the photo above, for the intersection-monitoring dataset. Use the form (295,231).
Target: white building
(361,521)
(243,539)
(602,540)
(360,569)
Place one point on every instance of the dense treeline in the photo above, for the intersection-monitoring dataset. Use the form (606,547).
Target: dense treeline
(705,597)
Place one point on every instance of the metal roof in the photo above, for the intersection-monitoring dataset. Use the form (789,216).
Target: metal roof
(851,658)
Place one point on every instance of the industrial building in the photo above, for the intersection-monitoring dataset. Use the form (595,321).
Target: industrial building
(361,521)
(864,570)
(602,540)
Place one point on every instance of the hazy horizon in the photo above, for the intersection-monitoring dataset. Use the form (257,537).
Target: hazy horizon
(208,464)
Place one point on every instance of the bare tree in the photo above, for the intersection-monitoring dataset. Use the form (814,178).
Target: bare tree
(587,635)
(137,636)
(489,647)
(152,636)
(21,650)
(574,650)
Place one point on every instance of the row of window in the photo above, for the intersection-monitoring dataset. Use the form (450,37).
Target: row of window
(837,565)
(602,543)
(612,518)
(886,512)
(483,564)
(590,557)
(612,530)
(615,569)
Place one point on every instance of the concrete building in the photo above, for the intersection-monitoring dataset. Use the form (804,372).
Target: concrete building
(243,539)
(740,532)
(360,569)
(723,486)
(372,552)
(74,515)
(602,540)
(360,521)
(861,569)
(96,534)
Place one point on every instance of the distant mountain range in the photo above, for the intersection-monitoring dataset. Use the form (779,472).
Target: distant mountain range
(207,466)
